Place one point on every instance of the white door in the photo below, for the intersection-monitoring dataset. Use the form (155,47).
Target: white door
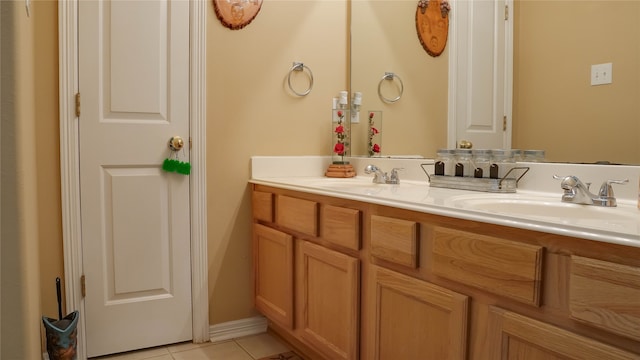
(134,86)
(481,70)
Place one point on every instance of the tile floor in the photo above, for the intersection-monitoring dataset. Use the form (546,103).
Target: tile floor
(247,348)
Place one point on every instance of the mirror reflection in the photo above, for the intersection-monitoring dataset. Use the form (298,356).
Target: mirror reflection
(555,107)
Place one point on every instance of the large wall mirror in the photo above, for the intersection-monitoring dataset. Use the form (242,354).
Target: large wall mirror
(555,107)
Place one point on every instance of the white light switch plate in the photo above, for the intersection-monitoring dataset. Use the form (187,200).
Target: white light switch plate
(601,74)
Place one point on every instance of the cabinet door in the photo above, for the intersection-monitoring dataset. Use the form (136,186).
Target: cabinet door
(516,337)
(414,319)
(273,273)
(327,300)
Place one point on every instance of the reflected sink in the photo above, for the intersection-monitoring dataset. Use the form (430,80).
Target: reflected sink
(363,185)
(543,207)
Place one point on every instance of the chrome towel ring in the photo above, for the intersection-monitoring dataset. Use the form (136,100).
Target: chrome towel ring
(390,76)
(298,66)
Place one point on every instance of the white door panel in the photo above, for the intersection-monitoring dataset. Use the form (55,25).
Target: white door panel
(480,93)
(137,200)
(134,83)
(138,86)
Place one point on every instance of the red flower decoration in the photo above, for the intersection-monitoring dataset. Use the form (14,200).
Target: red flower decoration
(373,131)
(341,145)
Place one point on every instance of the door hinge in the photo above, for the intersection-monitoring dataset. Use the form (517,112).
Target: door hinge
(190,143)
(83,286)
(504,123)
(506,12)
(78,105)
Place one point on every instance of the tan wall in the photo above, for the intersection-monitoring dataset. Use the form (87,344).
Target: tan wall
(384,40)
(20,260)
(555,107)
(45,17)
(250,112)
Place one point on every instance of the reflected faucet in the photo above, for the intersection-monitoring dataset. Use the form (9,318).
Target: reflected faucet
(577,192)
(380,177)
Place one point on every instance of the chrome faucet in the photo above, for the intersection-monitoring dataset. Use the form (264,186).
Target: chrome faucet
(380,177)
(577,192)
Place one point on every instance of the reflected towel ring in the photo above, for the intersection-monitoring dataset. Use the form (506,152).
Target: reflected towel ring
(390,76)
(298,66)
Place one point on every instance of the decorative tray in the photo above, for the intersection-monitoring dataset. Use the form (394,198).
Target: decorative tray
(505,184)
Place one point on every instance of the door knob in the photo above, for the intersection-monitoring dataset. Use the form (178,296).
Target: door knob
(176,143)
(465,144)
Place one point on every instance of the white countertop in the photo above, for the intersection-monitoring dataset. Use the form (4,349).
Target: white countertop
(619,225)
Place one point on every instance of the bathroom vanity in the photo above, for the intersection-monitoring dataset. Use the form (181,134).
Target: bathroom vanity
(348,269)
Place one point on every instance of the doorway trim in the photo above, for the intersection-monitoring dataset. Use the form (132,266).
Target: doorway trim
(70,167)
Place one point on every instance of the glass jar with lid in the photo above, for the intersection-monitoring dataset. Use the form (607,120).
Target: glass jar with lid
(445,162)
(502,161)
(533,156)
(482,162)
(518,154)
(464,163)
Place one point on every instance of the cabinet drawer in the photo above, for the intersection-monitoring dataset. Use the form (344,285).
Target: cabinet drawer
(297,214)
(341,226)
(262,206)
(394,240)
(605,295)
(504,267)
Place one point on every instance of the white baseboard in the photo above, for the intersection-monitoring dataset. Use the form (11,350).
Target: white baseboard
(238,328)
(229,330)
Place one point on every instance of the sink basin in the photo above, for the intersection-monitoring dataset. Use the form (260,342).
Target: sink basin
(549,209)
(544,208)
(542,211)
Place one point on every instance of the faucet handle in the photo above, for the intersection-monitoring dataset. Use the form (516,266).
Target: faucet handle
(370,169)
(393,177)
(565,177)
(568,182)
(606,190)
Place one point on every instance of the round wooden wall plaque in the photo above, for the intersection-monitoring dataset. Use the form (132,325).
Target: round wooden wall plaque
(432,24)
(236,14)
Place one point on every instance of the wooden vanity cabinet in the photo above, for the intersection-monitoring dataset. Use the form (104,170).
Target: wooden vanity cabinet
(373,282)
(307,271)
(407,317)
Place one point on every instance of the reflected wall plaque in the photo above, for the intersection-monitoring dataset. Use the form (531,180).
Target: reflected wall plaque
(432,25)
(236,14)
